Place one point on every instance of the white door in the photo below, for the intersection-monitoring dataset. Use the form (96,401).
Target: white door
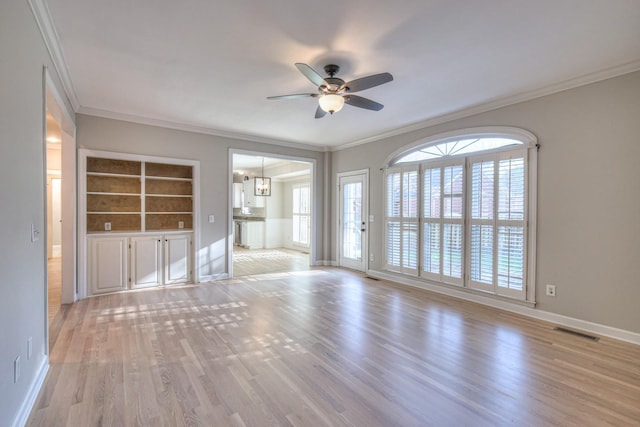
(352,219)
(108,264)
(146,261)
(177,264)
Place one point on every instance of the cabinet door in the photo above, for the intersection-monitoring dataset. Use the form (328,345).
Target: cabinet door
(255,234)
(108,259)
(146,261)
(237,194)
(177,258)
(244,232)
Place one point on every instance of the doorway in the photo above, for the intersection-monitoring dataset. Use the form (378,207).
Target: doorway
(352,219)
(60,208)
(270,231)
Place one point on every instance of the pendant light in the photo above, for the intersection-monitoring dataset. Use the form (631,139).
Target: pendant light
(262,184)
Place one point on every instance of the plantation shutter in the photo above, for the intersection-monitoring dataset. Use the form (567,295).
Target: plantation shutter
(497,224)
(401,221)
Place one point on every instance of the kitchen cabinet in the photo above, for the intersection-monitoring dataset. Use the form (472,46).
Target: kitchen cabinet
(250,199)
(252,234)
(238,191)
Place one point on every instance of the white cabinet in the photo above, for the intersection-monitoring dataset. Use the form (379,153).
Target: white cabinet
(146,261)
(237,194)
(108,264)
(250,199)
(138,261)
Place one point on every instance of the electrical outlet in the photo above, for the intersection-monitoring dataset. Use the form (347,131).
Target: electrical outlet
(212,219)
(16,370)
(107,226)
(372,257)
(371,218)
(29,348)
(180,224)
(551,290)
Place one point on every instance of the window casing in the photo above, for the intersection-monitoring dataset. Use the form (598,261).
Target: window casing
(301,214)
(472,225)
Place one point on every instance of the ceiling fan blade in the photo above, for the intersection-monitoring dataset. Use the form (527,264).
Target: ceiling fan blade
(320,113)
(294,96)
(358,101)
(311,74)
(367,82)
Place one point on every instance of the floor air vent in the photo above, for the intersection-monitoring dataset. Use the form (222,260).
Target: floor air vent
(576,333)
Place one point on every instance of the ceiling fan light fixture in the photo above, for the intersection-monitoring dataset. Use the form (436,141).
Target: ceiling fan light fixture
(331,102)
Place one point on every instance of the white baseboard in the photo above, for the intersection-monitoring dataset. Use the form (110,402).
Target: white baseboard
(526,309)
(213,277)
(326,263)
(27,404)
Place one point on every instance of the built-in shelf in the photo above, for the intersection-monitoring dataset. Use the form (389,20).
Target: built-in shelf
(130,195)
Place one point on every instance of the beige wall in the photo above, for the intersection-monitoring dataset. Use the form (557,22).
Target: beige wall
(22,186)
(588,241)
(215,179)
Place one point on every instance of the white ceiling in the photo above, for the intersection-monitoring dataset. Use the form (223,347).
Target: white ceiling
(210,65)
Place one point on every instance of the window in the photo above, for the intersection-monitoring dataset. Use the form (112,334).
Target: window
(457,212)
(301,214)
(402,221)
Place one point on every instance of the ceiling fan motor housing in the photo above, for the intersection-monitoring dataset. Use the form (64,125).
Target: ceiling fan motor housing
(331,69)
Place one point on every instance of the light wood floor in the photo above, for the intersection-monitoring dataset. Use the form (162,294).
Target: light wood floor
(260,261)
(326,347)
(54,286)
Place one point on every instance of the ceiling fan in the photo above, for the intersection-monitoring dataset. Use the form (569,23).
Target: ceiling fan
(333,92)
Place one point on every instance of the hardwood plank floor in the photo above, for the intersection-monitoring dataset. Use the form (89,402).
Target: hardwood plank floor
(248,262)
(54,286)
(325,347)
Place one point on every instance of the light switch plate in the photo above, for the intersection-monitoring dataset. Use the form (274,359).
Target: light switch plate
(35,233)
(211,219)
(180,224)
(371,218)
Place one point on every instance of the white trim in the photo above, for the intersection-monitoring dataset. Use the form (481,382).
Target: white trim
(51,40)
(213,277)
(483,107)
(197,129)
(32,394)
(511,132)
(518,307)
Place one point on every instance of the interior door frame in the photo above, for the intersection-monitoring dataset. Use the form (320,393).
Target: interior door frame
(365,215)
(53,102)
(315,208)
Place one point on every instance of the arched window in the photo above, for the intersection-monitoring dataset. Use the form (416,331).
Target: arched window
(458,210)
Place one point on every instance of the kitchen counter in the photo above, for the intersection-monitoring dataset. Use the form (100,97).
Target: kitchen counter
(248,218)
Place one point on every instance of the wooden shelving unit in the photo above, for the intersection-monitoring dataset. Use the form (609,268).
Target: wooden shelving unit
(168,197)
(138,196)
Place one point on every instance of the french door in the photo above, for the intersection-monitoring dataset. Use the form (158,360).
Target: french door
(352,219)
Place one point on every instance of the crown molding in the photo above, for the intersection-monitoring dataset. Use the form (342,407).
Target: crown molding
(550,89)
(50,36)
(42,15)
(196,129)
